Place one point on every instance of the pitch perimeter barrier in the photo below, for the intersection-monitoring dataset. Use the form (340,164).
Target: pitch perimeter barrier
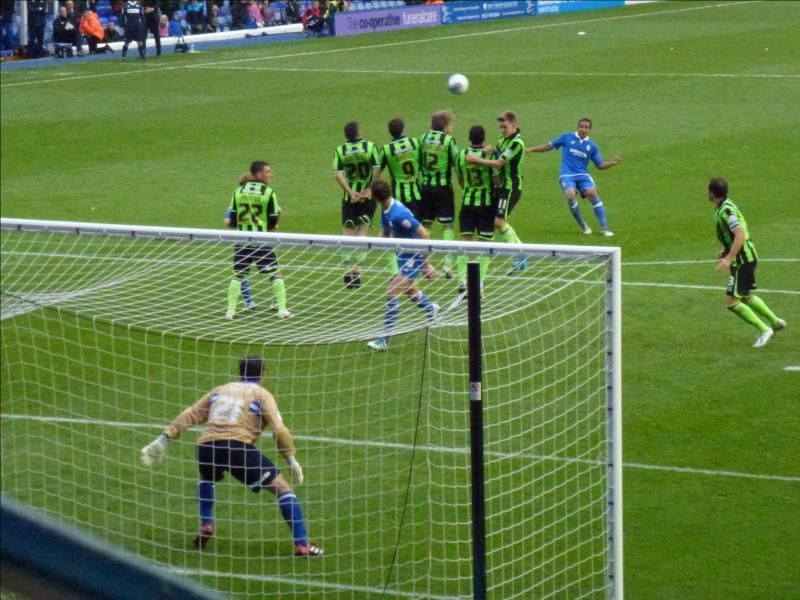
(452,13)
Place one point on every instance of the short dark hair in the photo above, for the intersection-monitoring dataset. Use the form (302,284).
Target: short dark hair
(477,134)
(251,367)
(441,119)
(396,127)
(351,131)
(257,166)
(380,190)
(718,187)
(588,120)
(508,115)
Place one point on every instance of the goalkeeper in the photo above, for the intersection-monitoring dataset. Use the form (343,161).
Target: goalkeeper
(235,415)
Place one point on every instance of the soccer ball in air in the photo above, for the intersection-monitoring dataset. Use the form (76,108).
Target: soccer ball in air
(458,84)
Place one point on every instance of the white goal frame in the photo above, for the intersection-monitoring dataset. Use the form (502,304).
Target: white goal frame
(613,376)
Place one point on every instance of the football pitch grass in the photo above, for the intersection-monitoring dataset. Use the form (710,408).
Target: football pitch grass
(684,91)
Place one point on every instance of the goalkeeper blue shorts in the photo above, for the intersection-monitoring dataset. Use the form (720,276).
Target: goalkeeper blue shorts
(241,460)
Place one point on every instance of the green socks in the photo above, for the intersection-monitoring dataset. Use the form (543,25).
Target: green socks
(509,236)
(461,266)
(393,268)
(234,289)
(745,314)
(758,305)
(448,235)
(462,261)
(279,290)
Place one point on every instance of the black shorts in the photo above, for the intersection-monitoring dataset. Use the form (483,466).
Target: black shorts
(263,257)
(478,219)
(505,201)
(742,280)
(437,203)
(135,33)
(241,460)
(357,213)
(415,206)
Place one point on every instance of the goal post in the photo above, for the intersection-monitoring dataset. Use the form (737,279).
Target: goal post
(109,331)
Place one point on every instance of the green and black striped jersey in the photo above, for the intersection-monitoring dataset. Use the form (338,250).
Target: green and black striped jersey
(401,157)
(728,218)
(438,155)
(477,178)
(254,207)
(356,160)
(512,150)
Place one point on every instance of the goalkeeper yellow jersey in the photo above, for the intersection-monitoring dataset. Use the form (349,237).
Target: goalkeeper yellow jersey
(235,411)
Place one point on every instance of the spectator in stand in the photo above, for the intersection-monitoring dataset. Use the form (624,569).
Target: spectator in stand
(116,8)
(293,11)
(312,19)
(195,16)
(254,17)
(112,33)
(163,26)
(152,17)
(175,26)
(75,16)
(268,15)
(91,28)
(63,33)
(7,18)
(239,14)
(37,19)
(213,19)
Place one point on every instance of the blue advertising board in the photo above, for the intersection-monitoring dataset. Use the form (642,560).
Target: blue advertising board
(466,12)
(555,7)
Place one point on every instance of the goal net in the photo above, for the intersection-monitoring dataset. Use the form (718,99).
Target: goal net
(108,332)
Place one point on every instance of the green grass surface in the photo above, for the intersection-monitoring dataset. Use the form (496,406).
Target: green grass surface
(163,144)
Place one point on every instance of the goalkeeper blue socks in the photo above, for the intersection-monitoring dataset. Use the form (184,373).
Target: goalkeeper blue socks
(392,313)
(576,212)
(293,515)
(599,212)
(248,297)
(205,495)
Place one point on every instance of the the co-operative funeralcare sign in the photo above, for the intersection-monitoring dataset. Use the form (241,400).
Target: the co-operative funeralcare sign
(367,21)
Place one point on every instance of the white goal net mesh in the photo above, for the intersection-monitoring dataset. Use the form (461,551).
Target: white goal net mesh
(108,334)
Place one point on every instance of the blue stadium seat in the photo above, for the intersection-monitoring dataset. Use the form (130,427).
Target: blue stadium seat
(104,22)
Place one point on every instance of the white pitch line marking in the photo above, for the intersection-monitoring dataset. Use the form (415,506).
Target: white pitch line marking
(384,45)
(409,447)
(792,368)
(311,583)
(394,72)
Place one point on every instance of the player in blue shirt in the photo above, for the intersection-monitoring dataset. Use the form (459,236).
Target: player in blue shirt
(576,152)
(397,221)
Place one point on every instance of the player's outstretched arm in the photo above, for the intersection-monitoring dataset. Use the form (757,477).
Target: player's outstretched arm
(610,163)
(540,148)
(497,163)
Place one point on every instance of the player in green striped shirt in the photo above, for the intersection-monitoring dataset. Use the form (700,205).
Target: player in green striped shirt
(511,157)
(438,155)
(254,207)
(477,211)
(401,157)
(355,164)
(738,254)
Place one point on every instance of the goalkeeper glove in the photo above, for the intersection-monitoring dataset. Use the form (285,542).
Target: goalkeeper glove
(153,453)
(296,469)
